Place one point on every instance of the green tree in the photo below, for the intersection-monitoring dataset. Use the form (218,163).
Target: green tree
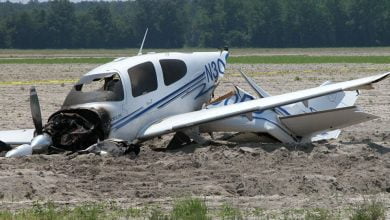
(86,34)
(236,24)
(164,18)
(204,23)
(3,36)
(209,23)
(104,28)
(365,21)
(338,30)
(305,23)
(39,26)
(60,24)
(265,23)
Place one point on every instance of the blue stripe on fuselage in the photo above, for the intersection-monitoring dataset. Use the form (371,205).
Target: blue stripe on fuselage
(181,93)
(127,116)
(123,121)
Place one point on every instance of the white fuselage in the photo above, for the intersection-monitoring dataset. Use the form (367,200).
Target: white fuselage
(133,114)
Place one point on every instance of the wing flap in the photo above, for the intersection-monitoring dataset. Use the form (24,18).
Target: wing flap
(185,120)
(309,123)
(17,137)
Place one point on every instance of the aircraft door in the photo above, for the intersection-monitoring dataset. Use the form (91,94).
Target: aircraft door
(144,92)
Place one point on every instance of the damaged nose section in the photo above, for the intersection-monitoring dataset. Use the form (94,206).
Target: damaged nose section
(68,130)
(76,129)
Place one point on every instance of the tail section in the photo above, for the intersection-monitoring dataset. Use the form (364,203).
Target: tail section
(306,121)
(324,116)
(336,100)
(260,92)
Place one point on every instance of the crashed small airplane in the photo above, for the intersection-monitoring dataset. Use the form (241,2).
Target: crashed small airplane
(133,99)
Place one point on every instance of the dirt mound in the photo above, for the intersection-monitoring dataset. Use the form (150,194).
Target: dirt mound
(222,168)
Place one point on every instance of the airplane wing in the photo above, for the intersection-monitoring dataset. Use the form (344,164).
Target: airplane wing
(182,121)
(17,137)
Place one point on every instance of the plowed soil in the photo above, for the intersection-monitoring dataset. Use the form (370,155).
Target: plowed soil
(245,172)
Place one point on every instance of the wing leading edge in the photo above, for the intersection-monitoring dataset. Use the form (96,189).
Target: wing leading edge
(182,121)
(17,137)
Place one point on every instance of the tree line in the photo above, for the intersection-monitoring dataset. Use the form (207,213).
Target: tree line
(195,23)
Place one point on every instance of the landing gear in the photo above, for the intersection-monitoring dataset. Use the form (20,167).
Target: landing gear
(4,147)
(179,140)
(135,148)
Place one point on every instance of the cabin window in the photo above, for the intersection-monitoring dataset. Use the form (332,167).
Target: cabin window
(173,70)
(143,78)
(101,87)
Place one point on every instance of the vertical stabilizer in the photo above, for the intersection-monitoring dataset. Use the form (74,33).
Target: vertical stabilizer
(260,91)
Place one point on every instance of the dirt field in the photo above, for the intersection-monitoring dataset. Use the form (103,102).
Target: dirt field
(332,174)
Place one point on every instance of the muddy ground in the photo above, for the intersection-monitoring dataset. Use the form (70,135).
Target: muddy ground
(333,174)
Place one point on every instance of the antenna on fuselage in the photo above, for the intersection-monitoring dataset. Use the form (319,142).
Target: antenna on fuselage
(143,41)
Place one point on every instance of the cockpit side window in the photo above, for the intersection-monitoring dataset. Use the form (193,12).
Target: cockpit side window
(96,88)
(143,78)
(173,70)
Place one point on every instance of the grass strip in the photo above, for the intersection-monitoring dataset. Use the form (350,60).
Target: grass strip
(189,209)
(280,59)
(88,60)
(302,59)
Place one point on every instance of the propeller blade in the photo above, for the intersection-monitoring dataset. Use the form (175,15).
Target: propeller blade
(35,111)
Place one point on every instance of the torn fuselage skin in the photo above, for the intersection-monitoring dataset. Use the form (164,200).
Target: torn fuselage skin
(85,117)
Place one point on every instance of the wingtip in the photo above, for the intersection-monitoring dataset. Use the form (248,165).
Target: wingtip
(382,77)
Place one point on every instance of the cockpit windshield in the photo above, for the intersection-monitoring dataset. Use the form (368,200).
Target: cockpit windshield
(103,87)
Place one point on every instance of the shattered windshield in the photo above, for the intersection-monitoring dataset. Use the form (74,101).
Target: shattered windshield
(102,87)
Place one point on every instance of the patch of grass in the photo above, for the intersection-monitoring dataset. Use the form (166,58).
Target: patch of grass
(88,211)
(277,59)
(373,210)
(134,213)
(258,212)
(6,215)
(88,60)
(157,214)
(303,59)
(12,53)
(319,214)
(229,212)
(190,208)
(297,78)
(293,213)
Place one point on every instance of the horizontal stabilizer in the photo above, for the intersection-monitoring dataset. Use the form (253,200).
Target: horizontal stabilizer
(17,137)
(309,123)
